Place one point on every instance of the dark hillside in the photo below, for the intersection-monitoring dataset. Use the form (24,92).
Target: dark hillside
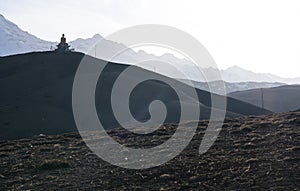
(36,95)
(278,99)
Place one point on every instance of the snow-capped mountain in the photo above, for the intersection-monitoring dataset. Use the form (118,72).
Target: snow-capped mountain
(83,45)
(238,74)
(14,40)
(215,86)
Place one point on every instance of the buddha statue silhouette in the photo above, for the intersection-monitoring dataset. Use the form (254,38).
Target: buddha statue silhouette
(63,46)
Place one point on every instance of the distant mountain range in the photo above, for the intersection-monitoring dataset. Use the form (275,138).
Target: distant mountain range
(231,86)
(14,40)
(276,99)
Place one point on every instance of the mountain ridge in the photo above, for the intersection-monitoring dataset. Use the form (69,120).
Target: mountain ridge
(14,40)
(284,98)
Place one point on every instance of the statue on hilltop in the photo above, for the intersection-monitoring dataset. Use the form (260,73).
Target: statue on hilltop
(63,46)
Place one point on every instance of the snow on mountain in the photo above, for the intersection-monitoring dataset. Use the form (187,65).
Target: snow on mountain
(215,86)
(83,45)
(14,40)
(238,74)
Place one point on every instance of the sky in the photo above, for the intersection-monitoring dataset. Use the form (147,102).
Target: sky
(259,35)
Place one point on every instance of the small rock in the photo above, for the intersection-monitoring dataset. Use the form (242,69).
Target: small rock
(252,160)
(249,145)
(57,146)
(54,164)
(165,175)
(193,177)
(51,177)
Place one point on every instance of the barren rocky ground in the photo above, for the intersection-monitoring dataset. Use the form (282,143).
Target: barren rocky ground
(250,153)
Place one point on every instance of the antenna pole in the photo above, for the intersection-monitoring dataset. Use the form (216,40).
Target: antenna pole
(262,98)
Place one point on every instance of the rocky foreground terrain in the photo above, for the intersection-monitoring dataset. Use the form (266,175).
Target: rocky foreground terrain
(250,153)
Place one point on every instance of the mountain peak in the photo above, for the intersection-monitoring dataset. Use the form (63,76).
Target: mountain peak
(235,67)
(14,40)
(2,16)
(5,22)
(97,36)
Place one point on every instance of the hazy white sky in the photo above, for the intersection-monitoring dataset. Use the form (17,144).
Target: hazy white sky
(259,35)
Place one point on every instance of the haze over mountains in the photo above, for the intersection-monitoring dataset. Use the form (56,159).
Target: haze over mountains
(215,86)
(42,88)
(14,40)
(73,119)
(276,99)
